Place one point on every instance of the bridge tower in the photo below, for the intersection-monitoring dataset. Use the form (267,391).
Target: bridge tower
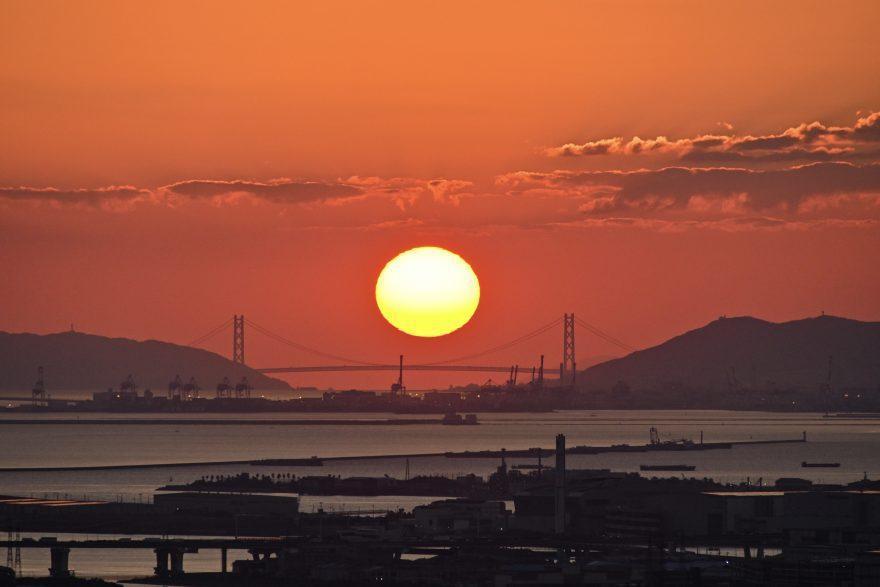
(569,365)
(238,339)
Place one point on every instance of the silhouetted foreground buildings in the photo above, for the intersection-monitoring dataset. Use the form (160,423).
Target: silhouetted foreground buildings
(591,527)
(551,525)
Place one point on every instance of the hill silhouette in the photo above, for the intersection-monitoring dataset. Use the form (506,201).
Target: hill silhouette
(78,361)
(749,353)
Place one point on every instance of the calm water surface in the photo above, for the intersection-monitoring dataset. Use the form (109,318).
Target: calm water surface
(855,443)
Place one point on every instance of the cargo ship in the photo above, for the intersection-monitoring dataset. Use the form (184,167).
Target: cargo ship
(453,419)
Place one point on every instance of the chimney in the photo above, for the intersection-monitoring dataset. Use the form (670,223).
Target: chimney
(559,480)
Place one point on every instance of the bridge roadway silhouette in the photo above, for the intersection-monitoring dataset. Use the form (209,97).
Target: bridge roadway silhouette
(329,368)
(170,551)
(568,364)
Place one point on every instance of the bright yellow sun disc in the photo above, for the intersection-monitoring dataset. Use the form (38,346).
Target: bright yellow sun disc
(427,291)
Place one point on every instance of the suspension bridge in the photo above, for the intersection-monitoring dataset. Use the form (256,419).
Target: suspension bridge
(566,371)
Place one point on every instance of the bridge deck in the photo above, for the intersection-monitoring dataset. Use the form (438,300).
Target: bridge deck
(460,368)
(152,543)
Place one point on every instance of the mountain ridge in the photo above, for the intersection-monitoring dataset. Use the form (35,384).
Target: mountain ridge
(749,352)
(83,361)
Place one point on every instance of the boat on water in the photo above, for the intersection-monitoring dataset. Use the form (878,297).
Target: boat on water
(667,467)
(453,419)
(820,465)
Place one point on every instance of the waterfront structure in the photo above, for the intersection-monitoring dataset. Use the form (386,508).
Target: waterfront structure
(461,516)
(559,484)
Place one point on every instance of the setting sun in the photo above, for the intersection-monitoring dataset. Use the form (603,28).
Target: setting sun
(427,291)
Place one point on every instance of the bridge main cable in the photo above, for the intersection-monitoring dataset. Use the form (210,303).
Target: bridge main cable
(525,337)
(392,367)
(604,335)
(283,340)
(211,333)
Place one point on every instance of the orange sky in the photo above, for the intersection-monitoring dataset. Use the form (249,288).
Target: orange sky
(164,165)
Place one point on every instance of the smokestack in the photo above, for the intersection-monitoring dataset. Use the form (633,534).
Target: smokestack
(559,480)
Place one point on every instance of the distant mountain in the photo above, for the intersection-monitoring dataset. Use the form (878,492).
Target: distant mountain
(77,361)
(748,353)
(585,362)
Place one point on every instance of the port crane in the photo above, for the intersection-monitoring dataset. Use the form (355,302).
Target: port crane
(174,388)
(128,385)
(224,389)
(191,389)
(243,389)
(38,393)
(398,387)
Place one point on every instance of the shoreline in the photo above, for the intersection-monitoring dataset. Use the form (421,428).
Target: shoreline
(223,422)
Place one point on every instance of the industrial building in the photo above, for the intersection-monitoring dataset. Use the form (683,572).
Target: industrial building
(455,516)
(620,508)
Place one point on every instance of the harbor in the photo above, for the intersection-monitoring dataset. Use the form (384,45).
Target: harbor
(268,538)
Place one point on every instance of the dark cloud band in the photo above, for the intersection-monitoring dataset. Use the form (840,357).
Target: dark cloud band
(805,142)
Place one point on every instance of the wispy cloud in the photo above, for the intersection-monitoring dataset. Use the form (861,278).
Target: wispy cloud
(402,191)
(75,196)
(281,191)
(406,191)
